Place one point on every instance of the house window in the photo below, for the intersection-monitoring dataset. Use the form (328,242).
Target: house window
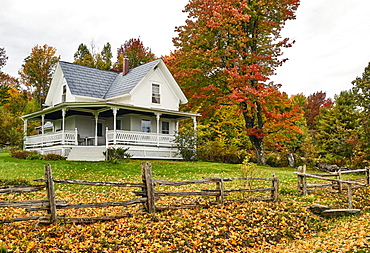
(64,93)
(156,97)
(165,127)
(145,125)
(100,129)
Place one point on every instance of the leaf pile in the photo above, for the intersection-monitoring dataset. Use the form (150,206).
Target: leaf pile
(233,227)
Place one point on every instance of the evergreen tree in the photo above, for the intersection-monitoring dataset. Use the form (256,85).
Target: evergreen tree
(336,128)
(361,90)
(83,56)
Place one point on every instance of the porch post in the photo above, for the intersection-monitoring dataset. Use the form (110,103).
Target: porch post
(106,138)
(177,126)
(114,109)
(63,130)
(194,122)
(96,129)
(76,137)
(195,130)
(42,129)
(63,125)
(24,133)
(158,116)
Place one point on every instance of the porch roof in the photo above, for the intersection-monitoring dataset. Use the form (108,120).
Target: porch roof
(104,109)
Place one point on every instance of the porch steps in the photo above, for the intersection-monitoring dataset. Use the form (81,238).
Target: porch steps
(86,153)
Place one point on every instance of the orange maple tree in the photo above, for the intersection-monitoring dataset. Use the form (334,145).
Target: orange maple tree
(225,54)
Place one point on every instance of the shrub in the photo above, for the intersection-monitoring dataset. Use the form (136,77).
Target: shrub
(273,160)
(34,157)
(219,152)
(115,155)
(21,154)
(53,157)
(186,143)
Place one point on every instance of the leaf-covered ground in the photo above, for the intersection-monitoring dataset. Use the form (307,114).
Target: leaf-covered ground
(233,227)
(286,226)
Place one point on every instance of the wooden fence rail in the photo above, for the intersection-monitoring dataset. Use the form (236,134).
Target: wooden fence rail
(335,183)
(147,196)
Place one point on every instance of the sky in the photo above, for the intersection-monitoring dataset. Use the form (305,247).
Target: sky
(331,49)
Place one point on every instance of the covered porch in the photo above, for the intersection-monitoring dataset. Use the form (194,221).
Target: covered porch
(147,132)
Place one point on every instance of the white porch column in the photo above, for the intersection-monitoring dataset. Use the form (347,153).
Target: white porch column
(63,130)
(106,138)
(42,129)
(158,116)
(76,137)
(114,109)
(63,125)
(24,132)
(195,123)
(195,130)
(96,129)
(177,126)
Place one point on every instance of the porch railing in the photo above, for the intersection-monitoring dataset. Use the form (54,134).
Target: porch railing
(51,139)
(137,138)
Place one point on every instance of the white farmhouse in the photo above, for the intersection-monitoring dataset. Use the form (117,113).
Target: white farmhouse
(89,110)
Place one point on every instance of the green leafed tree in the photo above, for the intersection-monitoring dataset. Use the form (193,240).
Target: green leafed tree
(83,56)
(338,129)
(225,54)
(38,69)
(88,57)
(361,90)
(4,79)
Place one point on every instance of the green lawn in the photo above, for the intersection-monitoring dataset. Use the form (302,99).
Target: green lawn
(25,171)
(17,169)
(256,226)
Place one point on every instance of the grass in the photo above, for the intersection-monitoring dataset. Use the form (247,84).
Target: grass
(235,225)
(17,171)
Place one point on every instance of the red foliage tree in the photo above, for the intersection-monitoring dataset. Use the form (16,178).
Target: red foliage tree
(137,53)
(315,102)
(226,52)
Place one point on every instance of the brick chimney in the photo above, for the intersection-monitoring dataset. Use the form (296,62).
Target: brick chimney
(125,66)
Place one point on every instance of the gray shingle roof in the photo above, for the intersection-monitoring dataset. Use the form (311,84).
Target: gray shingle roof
(92,82)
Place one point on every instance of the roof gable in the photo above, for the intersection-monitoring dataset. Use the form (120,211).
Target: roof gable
(97,83)
(87,81)
(123,84)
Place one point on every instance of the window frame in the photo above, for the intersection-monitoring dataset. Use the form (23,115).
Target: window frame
(156,93)
(165,130)
(146,129)
(64,93)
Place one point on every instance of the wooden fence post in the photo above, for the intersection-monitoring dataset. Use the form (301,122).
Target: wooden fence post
(367,175)
(50,194)
(221,188)
(340,178)
(350,203)
(304,181)
(275,186)
(300,183)
(146,170)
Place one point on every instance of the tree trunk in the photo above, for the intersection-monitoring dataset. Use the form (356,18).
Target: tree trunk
(252,123)
(257,144)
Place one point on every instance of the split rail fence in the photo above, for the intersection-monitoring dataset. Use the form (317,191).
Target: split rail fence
(147,196)
(336,183)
